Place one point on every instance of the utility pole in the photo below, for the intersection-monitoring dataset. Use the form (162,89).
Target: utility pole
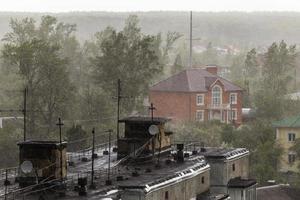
(6,183)
(118,107)
(191,40)
(60,124)
(152,108)
(92,186)
(24,112)
(108,181)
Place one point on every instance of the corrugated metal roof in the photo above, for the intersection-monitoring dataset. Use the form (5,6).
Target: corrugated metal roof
(192,80)
(291,122)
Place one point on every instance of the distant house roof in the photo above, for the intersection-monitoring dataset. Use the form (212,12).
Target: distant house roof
(291,122)
(193,80)
(278,192)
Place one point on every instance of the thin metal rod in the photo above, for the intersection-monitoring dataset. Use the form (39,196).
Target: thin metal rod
(109,146)
(60,124)
(158,156)
(152,108)
(6,180)
(118,107)
(24,113)
(191,40)
(93,152)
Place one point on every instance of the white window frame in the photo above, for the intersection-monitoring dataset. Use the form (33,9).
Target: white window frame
(232,110)
(223,116)
(200,111)
(292,138)
(235,100)
(200,103)
(212,95)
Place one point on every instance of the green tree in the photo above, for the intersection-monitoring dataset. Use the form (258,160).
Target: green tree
(36,53)
(130,56)
(178,65)
(269,98)
(258,137)
(77,138)
(251,64)
(210,56)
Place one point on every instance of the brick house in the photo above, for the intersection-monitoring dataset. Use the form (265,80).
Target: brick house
(198,94)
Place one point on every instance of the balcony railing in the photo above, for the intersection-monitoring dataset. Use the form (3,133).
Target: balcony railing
(225,106)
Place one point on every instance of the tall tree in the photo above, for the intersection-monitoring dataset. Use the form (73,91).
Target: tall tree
(178,65)
(276,76)
(251,64)
(210,56)
(128,55)
(36,53)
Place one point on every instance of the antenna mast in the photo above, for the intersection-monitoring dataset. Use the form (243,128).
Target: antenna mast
(24,111)
(60,124)
(191,40)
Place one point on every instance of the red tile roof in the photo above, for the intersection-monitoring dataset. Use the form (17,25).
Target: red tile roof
(192,80)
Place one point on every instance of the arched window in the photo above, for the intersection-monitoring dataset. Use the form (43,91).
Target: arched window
(216,95)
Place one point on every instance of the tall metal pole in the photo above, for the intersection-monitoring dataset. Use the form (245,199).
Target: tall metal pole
(108,182)
(5,184)
(109,146)
(60,124)
(93,152)
(24,112)
(118,107)
(191,40)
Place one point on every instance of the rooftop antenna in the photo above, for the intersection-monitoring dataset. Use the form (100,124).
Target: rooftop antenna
(24,112)
(108,181)
(191,39)
(60,124)
(152,108)
(93,186)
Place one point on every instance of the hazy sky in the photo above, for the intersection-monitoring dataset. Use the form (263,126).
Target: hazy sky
(148,5)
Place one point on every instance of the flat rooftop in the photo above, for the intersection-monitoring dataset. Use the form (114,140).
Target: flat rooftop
(223,153)
(43,143)
(145,119)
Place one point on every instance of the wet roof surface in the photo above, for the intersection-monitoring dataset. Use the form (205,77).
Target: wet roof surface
(228,153)
(145,119)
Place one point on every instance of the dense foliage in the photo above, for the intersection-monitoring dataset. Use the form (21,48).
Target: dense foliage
(77,80)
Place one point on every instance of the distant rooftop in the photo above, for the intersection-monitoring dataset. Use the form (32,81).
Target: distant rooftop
(193,80)
(223,153)
(290,122)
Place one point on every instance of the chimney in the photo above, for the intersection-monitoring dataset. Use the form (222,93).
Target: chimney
(212,69)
